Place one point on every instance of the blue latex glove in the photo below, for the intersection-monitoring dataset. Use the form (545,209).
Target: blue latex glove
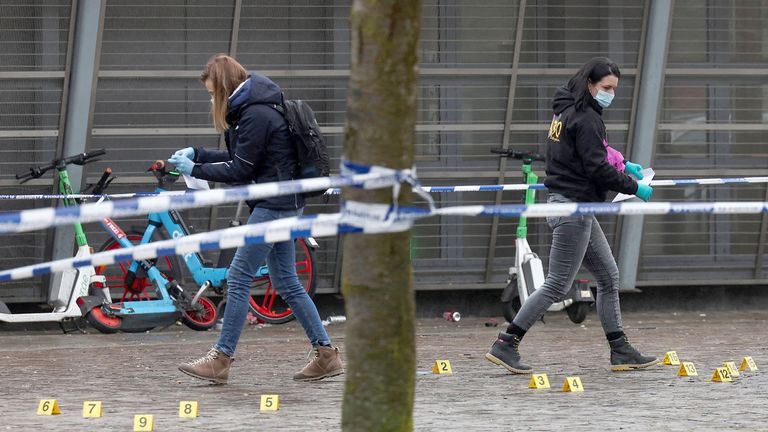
(644,192)
(633,169)
(183,164)
(188,153)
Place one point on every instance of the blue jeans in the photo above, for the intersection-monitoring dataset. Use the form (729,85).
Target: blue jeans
(576,240)
(281,260)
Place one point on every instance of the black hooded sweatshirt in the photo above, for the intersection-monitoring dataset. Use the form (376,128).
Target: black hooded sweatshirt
(259,148)
(577,165)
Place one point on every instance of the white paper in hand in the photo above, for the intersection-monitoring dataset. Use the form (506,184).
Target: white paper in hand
(647,177)
(195,183)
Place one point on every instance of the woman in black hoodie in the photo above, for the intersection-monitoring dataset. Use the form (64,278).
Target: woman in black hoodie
(581,167)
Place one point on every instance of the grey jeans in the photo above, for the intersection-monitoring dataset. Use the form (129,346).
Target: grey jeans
(576,240)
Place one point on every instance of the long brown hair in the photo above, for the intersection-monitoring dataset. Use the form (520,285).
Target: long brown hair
(226,74)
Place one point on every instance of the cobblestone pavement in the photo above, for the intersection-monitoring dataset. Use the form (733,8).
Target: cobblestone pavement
(136,374)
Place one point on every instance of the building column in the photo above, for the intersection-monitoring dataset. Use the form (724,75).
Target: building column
(80,103)
(651,82)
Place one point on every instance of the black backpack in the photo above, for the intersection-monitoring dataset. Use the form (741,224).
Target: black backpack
(308,139)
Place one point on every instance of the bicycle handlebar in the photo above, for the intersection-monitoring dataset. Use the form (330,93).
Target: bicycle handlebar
(78,159)
(530,155)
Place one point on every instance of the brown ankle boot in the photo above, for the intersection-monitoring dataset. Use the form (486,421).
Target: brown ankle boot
(326,363)
(214,366)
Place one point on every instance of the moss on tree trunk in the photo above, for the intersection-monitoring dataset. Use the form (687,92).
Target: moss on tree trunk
(377,280)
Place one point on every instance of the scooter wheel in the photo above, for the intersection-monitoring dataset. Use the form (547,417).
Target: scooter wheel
(511,308)
(202,317)
(577,312)
(103,322)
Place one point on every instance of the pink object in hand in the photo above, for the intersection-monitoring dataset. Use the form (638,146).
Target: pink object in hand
(614,157)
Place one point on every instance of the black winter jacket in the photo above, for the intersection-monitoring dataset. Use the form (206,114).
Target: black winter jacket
(577,165)
(259,149)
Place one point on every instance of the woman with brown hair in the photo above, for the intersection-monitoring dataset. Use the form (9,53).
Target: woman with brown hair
(259,150)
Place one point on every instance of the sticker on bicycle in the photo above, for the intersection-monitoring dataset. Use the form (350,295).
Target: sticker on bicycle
(732,369)
(442,367)
(539,381)
(721,375)
(670,358)
(687,369)
(748,363)
(188,409)
(92,409)
(573,384)
(48,407)
(269,403)
(143,423)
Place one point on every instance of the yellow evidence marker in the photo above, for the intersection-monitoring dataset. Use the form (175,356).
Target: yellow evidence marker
(442,367)
(687,369)
(731,366)
(748,363)
(721,375)
(143,423)
(188,409)
(92,409)
(270,403)
(573,384)
(670,358)
(48,407)
(539,381)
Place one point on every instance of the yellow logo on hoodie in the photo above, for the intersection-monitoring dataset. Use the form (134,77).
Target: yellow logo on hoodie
(555,129)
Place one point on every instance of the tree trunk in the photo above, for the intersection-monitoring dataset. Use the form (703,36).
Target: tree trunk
(377,279)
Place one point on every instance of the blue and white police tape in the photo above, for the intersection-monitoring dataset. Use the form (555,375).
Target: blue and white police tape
(428,189)
(28,197)
(366,218)
(619,208)
(521,187)
(28,220)
(322,225)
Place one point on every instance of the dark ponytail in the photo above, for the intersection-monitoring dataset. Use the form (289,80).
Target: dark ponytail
(593,71)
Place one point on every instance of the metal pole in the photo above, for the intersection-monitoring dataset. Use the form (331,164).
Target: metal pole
(79,105)
(505,137)
(651,82)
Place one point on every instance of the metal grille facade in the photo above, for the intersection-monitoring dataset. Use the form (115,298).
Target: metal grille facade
(488,71)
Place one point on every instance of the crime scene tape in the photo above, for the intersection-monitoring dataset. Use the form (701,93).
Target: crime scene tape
(357,217)
(352,175)
(428,189)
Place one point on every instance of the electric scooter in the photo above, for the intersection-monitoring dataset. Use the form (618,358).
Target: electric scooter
(527,275)
(75,283)
(89,296)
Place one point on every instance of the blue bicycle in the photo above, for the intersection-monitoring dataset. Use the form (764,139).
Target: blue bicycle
(136,281)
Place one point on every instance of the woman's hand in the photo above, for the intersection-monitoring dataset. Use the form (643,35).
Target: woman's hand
(188,153)
(183,164)
(633,169)
(644,192)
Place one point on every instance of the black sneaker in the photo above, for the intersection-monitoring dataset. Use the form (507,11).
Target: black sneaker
(625,357)
(504,352)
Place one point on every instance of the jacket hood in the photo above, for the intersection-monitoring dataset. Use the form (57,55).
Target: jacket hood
(255,89)
(562,100)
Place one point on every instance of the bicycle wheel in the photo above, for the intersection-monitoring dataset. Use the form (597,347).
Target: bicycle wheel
(142,287)
(266,304)
(202,317)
